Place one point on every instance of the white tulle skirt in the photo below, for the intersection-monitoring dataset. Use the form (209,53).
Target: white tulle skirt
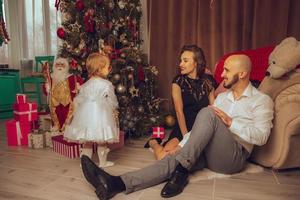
(92,122)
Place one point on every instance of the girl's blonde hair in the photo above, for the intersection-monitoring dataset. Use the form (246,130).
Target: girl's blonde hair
(95,63)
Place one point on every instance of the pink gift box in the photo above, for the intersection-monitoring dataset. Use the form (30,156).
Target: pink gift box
(25,111)
(17,132)
(158,132)
(21,98)
(118,145)
(69,149)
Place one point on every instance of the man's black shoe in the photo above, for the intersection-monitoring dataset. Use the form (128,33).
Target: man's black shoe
(147,143)
(175,185)
(105,190)
(98,178)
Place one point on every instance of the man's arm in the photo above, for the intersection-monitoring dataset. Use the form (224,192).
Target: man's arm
(258,131)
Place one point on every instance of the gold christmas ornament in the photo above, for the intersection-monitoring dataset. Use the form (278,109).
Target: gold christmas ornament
(134,92)
(121,89)
(116,77)
(170,120)
(141,109)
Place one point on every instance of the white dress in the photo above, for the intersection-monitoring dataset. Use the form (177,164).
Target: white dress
(93,119)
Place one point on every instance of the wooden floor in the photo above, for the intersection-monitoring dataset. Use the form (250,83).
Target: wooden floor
(27,174)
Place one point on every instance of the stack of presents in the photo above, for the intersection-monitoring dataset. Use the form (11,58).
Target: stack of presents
(33,129)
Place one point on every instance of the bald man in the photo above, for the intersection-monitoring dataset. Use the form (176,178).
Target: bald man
(221,139)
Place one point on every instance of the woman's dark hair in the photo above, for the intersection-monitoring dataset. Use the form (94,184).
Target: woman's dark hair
(198,57)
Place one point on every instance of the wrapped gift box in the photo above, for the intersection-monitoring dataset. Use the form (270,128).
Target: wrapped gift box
(21,98)
(49,135)
(158,132)
(69,149)
(44,122)
(118,145)
(36,140)
(25,111)
(17,132)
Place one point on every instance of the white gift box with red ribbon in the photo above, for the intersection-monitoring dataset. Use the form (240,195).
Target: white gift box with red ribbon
(25,111)
(158,132)
(21,98)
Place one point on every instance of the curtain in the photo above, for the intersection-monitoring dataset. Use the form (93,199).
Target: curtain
(4,47)
(32,28)
(218,27)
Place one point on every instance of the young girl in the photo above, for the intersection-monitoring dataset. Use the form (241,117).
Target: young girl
(95,107)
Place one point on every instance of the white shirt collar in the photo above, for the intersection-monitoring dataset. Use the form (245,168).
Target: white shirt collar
(247,93)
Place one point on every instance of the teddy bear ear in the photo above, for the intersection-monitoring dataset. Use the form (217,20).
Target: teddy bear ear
(289,41)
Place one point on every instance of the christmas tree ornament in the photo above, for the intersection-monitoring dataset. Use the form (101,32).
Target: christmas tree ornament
(139,60)
(141,109)
(121,4)
(170,120)
(66,16)
(79,5)
(57,2)
(81,45)
(73,64)
(130,76)
(139,8)
(116,77)
(125,42)
(89,21)
(61,33)
(153,119)
(133,91)
(75,27)
(123,55)
(121,89)
(130,124)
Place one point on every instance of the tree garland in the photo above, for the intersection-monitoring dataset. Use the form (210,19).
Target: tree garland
(3,32)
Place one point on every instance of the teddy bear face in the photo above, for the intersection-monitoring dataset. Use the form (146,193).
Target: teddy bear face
(284,58)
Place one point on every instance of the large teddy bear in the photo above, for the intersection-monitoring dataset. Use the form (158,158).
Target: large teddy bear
(284,58)
(282,84)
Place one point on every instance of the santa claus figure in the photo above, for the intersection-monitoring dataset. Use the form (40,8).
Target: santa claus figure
(61,87)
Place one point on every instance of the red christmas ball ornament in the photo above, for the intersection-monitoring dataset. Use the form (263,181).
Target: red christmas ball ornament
(61,33)
(79,5)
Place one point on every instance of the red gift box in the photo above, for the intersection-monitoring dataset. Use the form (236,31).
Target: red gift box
(21,98)
(158,132)
(61,146)
(17,132)
(25,111)
(118,145)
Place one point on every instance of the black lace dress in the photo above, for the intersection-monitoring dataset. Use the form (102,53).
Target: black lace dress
(195,94)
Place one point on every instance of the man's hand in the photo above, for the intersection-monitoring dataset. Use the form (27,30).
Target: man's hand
(223,116)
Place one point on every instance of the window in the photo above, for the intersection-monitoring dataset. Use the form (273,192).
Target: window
(41,28)
(32,28)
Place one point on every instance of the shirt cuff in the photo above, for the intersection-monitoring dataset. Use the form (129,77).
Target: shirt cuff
(235,127)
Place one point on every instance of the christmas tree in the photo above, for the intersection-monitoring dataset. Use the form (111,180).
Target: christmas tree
(92,25)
